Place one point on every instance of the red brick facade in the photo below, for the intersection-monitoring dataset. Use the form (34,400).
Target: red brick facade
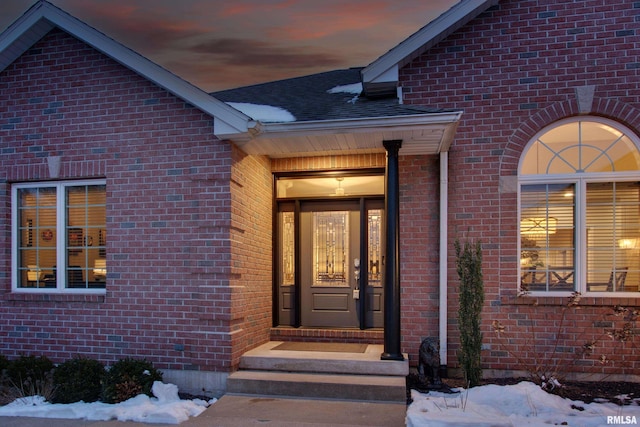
(189,217)
(174,277)
(515,69)
(251,257)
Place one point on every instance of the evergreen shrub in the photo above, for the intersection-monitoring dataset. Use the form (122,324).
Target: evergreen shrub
(78,379)
(127,378)
(30,376)
(469,267)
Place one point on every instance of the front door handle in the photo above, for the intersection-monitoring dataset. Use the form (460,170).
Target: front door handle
(356,275)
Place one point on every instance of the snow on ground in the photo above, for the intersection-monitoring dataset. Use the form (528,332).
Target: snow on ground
(523,404)
(166,408)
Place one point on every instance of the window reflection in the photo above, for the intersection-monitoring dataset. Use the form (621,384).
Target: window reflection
(613,233)
(38,237)
(547,238)
(44,259)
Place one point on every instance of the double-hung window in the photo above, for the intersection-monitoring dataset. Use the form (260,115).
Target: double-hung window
(59,236)
(579,209)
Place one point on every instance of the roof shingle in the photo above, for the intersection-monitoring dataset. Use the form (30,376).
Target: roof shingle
(308,98)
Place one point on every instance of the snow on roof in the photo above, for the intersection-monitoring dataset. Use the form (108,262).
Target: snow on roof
(263,113)
(354,88)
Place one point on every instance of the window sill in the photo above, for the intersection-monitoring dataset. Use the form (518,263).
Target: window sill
(562,300)
(54,297)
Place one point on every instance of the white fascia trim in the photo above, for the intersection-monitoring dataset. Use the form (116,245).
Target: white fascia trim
(14,32)
(423,39)
(372,124)
(229,120)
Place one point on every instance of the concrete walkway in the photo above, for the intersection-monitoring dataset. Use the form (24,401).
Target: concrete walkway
(248,411)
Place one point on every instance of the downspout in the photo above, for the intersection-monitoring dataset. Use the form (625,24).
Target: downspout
(444,211)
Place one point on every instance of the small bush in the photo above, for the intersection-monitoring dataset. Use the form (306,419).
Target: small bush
(4,363)
(128,378)
(28,367)
(4,381)
(30,376)
(77,380)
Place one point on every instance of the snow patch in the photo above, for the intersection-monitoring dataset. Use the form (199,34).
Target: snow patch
(353,88)
(522,404)
(166,408)
(263,113)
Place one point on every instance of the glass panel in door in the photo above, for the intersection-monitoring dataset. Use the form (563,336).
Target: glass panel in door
(286,267)
(374,302)
(330,244)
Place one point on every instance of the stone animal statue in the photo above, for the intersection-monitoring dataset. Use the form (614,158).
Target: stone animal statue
(429,362)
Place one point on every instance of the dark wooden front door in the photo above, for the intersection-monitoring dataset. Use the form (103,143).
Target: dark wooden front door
(329,250)
(339,254)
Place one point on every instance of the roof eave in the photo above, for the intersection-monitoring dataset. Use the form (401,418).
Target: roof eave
(368,124)
(384,70)
(352,136)
(43,17)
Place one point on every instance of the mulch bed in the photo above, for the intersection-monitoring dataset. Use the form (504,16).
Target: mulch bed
(618,392)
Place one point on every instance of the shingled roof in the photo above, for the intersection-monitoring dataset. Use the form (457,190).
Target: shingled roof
(310,98)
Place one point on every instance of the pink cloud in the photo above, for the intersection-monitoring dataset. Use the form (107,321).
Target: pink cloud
(330,19)
(241,8)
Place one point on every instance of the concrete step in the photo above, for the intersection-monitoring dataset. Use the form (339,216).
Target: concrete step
(267,370)
(382,388)
(265,358)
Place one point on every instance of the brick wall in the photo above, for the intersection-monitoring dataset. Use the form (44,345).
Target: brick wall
(419,248)
(513,70)
(169,211)
(251,252)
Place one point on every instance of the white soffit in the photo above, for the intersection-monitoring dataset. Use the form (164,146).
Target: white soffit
(420,134)
(42,17)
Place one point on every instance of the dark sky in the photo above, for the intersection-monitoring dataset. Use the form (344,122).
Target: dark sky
(221,44)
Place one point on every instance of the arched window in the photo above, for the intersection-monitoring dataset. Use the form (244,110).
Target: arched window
(580,209)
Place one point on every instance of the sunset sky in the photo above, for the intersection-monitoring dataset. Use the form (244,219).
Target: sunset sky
(221,44)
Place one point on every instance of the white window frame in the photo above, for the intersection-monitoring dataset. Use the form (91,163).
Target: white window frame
(580,180)
(61,242)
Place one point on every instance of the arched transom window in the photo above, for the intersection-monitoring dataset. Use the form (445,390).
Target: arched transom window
(580,209)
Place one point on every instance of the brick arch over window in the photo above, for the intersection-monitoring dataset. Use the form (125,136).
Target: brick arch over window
(619,111)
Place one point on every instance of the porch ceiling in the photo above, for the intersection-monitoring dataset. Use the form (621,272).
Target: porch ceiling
(420,134)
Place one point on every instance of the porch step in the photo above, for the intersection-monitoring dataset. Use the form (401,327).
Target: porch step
(265,358)
(320,374)
(326,386)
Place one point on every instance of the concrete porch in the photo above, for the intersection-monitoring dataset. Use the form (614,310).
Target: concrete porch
(341,373)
